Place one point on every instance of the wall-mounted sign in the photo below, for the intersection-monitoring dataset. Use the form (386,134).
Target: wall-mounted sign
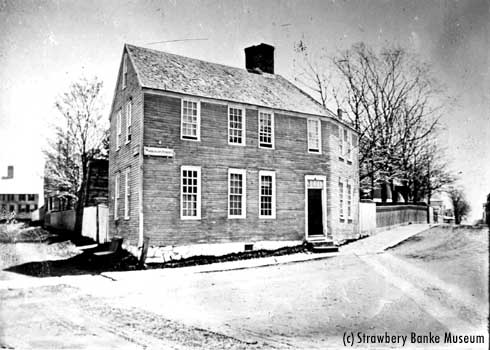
(158,152)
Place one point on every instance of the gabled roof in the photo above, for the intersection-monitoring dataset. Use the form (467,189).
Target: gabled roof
(169,72)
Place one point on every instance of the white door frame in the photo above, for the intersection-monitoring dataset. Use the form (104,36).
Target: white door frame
(323,179)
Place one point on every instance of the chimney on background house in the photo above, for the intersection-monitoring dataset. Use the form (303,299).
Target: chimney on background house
(10,173)
(340,113)
(260,58)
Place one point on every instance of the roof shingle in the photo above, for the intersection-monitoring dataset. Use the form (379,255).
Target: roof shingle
(165,71)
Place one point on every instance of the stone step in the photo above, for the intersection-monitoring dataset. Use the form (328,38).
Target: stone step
(322,246)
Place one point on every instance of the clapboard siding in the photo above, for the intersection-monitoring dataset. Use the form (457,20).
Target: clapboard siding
(121,159)
(290,160)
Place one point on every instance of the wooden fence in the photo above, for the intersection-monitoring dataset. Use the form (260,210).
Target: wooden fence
(61,220)
(373,217)
(393,215)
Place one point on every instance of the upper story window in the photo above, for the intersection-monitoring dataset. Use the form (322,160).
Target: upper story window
(267,194)
(341,142)
(266,130)
(129,117)
(236,126)
(118,129)
(347,144)
(22,197)
(349,138)
(314,136)
(31,197)
(125,71)
(190,128)
(237,182)
(190,201)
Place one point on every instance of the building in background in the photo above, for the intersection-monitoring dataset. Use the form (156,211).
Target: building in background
(17,196)
(203,153)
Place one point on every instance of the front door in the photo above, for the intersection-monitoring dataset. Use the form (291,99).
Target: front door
(315,187)
(315,212)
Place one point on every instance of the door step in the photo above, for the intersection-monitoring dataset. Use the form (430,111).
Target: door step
(322,245)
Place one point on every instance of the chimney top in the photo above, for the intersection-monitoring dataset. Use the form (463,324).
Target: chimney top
(340,113)
(260,58)
(10,173)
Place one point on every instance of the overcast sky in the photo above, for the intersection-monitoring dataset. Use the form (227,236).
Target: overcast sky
(45,45)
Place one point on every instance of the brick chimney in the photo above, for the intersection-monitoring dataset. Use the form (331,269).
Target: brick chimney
(10,173)
(340,113)
(260,58)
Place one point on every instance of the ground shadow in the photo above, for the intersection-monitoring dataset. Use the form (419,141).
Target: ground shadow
(82,264)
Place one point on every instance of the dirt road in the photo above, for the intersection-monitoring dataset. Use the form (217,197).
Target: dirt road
(303,305)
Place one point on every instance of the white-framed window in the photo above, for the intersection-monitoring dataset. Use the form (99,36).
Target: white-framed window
(349,200)
(341,142)
(236,126)
(190,127)
(348,143)
(118,129)
(341,199)
(314,135)
(237,194)
(129,117)
(127,192)
(266,129)
(117,185)
(190,200)
(125,71)
(267,194)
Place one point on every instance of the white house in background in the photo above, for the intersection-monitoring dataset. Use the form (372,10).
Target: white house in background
(20,191)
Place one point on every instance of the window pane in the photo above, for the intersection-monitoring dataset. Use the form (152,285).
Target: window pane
(189,119)
(189,193)
(265,129)
(266,195)
(235,125)
(313,135)
(236,194)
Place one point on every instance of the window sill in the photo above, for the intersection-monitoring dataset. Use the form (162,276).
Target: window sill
(189,139)
(236,217)
(266,147)
(341,158)
(190,218)
(126,218)
(236,144)
(314,152)
(267,217)
(127,142)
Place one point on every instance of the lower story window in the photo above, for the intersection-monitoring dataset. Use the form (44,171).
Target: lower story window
(341,199)
(236,193)
(190,193)
(349,201)
(267,184)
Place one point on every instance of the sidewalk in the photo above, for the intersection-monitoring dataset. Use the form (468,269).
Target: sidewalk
(369,245)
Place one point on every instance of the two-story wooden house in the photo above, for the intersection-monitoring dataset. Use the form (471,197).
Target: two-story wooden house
(206,153)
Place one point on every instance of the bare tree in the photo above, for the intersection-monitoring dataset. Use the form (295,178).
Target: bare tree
(395,104)
(80,137)
(461,208)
